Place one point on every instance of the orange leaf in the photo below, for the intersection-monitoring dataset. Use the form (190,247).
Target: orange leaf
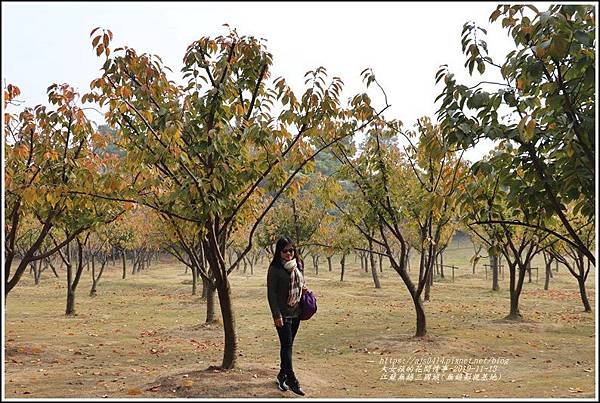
(134,391)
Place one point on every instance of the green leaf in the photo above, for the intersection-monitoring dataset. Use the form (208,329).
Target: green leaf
(582,38)
(480,66)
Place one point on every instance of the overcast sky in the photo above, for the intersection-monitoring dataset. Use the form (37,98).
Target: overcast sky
(404,43)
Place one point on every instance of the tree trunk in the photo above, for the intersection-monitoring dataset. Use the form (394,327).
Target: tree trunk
(548,276)
(548,269)
(329,262)
(428,283)
(93,289)
(343,264)
(124,264)
(214,251)
(142,265)
(515,293)
(442,264)
(583,294)
(494,269)
(72,282)
(194,270)
(37,271)
(70,311)
(205,285)
(380,257)
(96,280)
(134,261)
(210,303)
(373,268)
(230,352)
(421,322)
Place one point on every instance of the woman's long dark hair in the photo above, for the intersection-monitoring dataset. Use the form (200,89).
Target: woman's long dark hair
(282,243)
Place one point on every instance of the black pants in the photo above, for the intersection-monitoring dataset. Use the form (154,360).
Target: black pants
(287,333)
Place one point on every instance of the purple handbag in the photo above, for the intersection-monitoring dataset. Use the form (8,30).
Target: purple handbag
(308,305)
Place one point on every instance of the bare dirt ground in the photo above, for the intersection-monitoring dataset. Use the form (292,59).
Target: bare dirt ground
(144,337)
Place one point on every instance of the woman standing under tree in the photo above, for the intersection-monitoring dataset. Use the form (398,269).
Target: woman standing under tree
(285,286)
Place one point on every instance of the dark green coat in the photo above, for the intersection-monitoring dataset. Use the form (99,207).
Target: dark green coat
(278,288)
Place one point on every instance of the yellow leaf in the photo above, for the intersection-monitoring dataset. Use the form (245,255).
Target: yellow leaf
(529,130)
(539,51)
(29,194)
(149,116)
(188,383)
(239,109)
(51,198)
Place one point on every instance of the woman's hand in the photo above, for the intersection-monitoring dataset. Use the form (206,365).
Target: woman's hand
(279,322)
(304,289)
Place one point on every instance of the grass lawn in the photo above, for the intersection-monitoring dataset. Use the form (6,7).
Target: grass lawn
(144,337)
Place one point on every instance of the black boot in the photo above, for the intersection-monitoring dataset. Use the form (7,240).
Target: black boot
(294,386)
(281,378)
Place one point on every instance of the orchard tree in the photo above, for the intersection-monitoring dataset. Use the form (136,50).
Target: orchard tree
(97,248)
(437,173)
(216,145)
(487,202)
(572,257)
(548,91)
(27,234)
(48,153)
(361,213)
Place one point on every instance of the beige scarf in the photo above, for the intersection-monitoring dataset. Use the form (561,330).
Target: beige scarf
(296,282)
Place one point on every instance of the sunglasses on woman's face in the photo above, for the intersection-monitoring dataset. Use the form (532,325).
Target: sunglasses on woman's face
(287,250)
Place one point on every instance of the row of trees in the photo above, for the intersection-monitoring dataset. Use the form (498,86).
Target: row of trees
(213,171)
